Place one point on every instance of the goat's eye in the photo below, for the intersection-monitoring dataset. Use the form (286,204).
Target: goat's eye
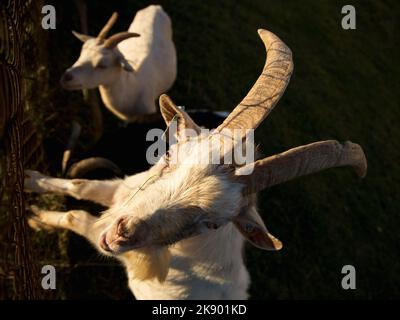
(249,228)
(211,225)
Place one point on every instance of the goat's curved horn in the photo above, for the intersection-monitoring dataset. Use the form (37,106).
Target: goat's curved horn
(81,168)
(112,41)
(301,161)
(107,27)
(268,88)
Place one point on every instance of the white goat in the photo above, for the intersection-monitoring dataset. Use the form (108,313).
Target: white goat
(130,68)
(179,228)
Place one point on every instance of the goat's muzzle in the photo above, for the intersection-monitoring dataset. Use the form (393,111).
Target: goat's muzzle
(119,239)
(69,82)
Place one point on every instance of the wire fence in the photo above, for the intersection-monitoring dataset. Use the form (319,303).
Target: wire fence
(19,146)
(31,124)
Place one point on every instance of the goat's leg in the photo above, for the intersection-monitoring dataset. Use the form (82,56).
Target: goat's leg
(99,191)
(78,221)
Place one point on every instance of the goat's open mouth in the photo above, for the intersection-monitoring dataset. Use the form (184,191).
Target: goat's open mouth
(117,245)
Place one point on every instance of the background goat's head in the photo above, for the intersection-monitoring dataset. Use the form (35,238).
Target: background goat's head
(100,61)
(183,196)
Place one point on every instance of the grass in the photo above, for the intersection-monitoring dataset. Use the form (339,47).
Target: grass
(343,88)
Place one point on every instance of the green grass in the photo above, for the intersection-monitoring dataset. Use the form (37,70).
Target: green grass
(344,87)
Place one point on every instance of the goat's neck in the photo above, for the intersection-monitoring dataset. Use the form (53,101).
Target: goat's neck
(217,249)
(209,266)
(122,96)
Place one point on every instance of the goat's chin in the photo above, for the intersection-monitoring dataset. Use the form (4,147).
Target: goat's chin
(149,263)
(144,263)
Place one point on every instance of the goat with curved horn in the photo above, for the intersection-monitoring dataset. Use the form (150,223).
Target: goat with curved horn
(131,68)
(187,217)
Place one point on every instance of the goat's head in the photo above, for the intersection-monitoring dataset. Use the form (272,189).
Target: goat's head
(100,60)
(185,194)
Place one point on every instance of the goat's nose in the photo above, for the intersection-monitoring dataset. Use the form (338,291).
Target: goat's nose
(67,77)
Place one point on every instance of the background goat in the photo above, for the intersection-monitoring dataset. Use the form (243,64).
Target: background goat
(184,224)
(130,68)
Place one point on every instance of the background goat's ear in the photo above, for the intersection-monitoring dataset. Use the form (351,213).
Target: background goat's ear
(169,110)
(81,36)
(250,225)
(125,65)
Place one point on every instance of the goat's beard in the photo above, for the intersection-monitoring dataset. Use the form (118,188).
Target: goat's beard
(149,263)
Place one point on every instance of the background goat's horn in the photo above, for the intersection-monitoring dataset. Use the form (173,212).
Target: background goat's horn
(268,88)
(301,161)
(112,41)
(103,33)
(82,168)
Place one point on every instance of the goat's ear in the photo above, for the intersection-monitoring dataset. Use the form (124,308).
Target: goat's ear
(81,36)
(251,226)
(125,65)
(171,112)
